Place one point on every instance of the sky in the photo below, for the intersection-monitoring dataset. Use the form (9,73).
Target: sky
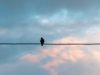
(57,21)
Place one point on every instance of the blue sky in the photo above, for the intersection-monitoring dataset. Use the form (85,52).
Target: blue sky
(57,21)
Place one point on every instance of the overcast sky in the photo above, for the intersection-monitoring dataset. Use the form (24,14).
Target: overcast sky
(57,21)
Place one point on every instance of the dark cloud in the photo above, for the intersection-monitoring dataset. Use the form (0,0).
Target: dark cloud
(15,13)
(48,5)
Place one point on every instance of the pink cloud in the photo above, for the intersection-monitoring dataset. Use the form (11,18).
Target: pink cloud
(69,40)
(59,54)
(54,63)
(73,55)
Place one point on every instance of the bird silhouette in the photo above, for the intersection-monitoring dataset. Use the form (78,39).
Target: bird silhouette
(42,41)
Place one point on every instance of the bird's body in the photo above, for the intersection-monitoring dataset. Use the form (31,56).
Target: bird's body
(42,41)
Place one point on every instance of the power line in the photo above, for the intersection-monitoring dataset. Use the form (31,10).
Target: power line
(74,44)
(49,44)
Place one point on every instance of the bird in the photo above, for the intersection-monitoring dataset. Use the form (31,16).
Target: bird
(42,41)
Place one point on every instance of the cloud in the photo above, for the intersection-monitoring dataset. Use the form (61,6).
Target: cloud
(56,26)
(53,63)
(53,58)
(31,28)
(26,21)
(48,6)
(73,55)
(58,54)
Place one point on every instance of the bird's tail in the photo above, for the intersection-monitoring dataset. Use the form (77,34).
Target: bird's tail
(41,44)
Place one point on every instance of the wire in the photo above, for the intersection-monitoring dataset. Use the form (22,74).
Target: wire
(49,44)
